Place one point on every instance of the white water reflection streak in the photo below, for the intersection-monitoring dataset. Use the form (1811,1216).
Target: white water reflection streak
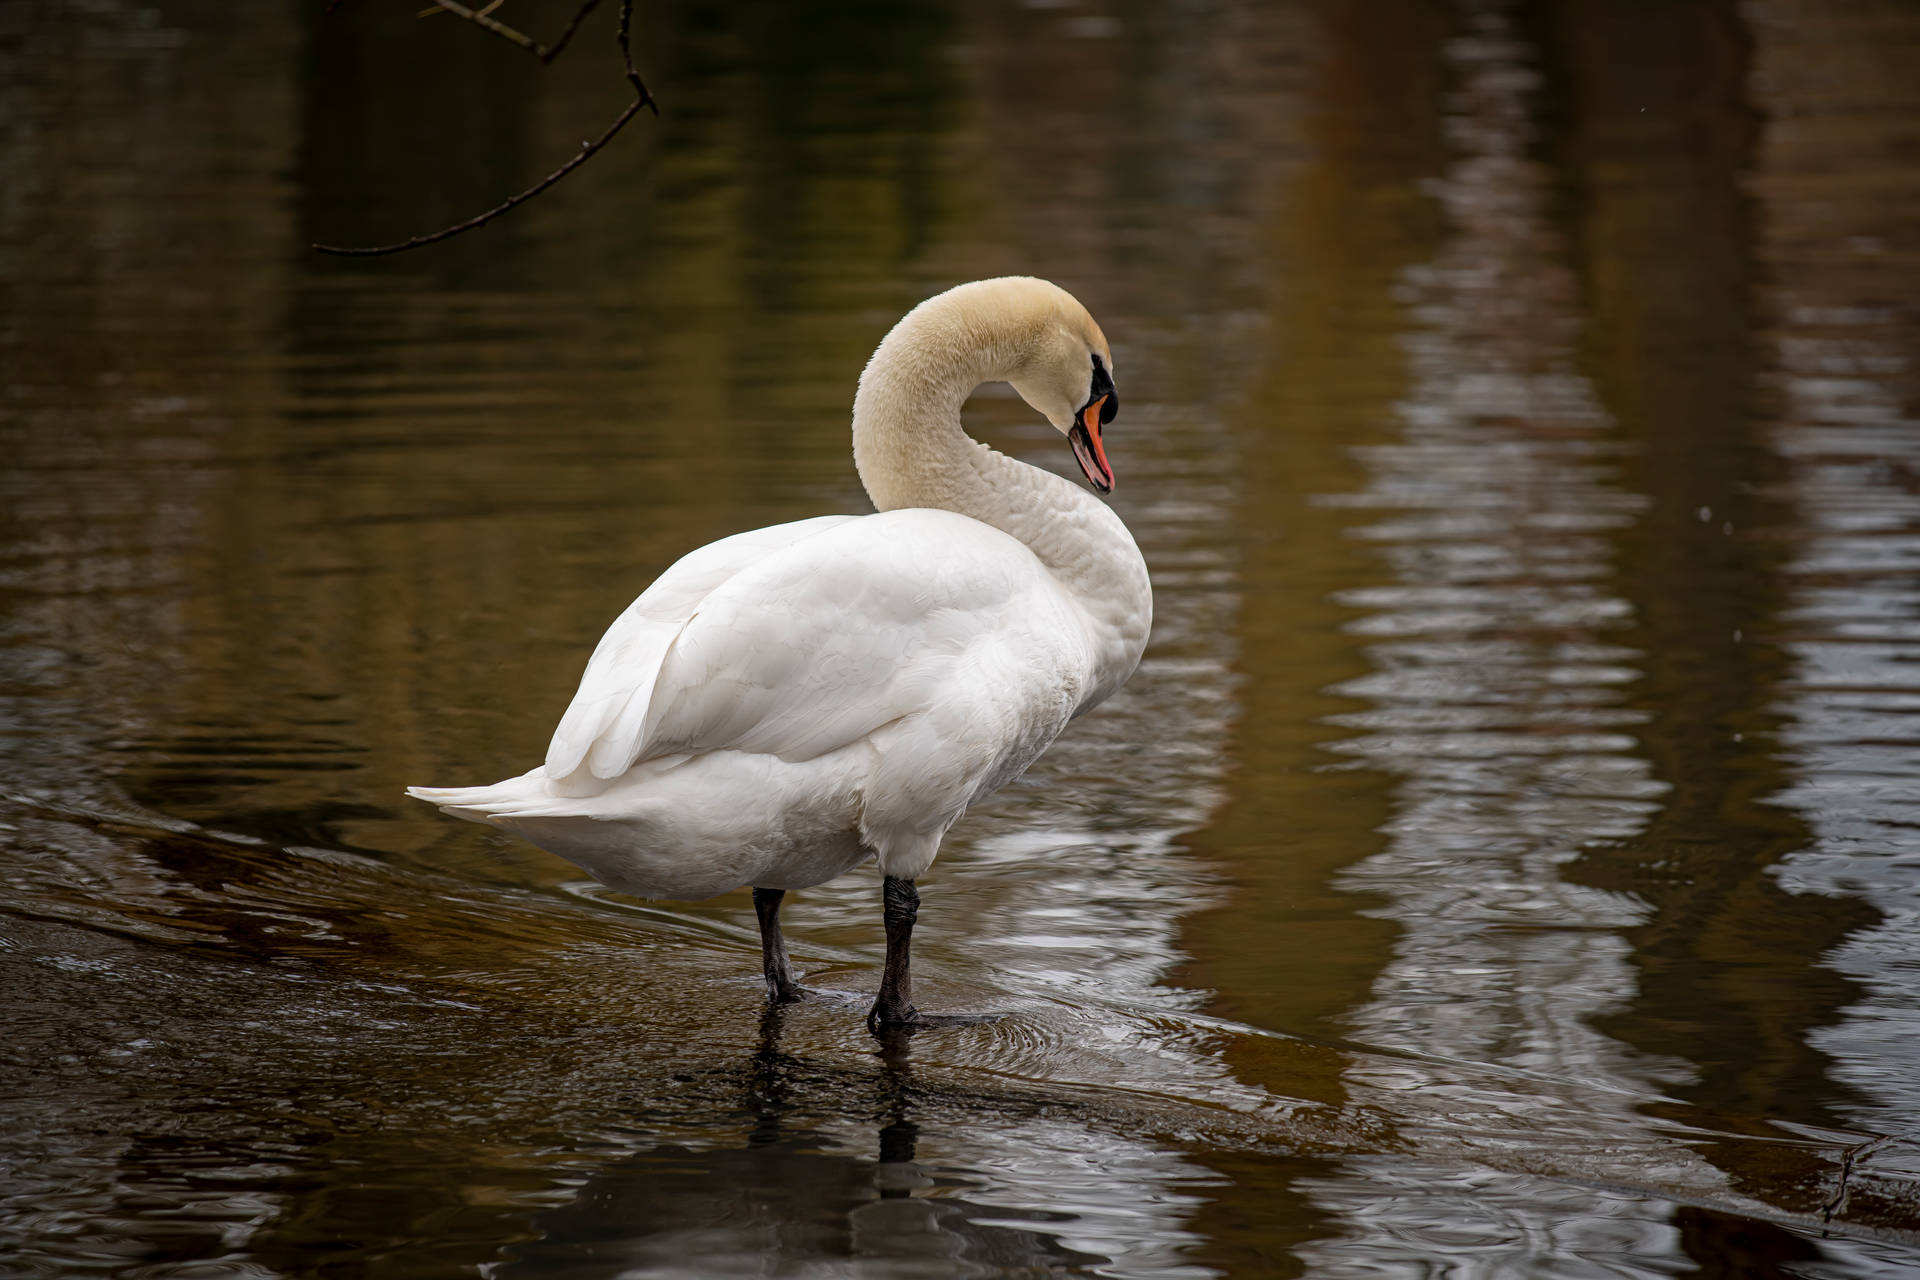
(1495,700)
(1842,351)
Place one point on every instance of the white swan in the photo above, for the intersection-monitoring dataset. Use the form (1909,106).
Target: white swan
(782,704)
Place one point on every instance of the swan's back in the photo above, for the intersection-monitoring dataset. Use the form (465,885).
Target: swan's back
(599,736)
(843,631)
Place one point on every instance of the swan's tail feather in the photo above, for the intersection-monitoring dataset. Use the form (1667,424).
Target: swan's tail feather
(526,796)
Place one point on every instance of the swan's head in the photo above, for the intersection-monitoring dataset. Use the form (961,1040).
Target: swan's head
(1065,371)
(1016,329)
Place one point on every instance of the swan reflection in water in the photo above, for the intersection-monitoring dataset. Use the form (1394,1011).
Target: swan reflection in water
(796,1188)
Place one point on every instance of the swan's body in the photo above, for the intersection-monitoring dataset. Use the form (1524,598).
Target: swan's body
(784,703)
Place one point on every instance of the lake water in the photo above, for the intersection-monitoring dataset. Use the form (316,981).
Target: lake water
(1506,861)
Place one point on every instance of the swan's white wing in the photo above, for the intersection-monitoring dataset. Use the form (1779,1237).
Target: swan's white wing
(831,639)
(602,726)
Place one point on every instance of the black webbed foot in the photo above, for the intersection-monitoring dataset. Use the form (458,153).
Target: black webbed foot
(914,1021)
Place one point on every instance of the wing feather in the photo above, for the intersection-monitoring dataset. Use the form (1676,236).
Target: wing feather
(602,726)
(827,641)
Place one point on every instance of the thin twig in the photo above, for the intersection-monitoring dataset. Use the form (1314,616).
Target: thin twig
(494,25)
(481,17)
(641,98)
(573,25)
(1854,1156)
(626,53)
(586,149)
(432,9)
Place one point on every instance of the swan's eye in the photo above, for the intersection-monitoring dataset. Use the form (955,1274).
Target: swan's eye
(1103,386)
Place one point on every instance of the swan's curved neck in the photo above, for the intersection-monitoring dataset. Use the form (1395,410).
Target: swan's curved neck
(908,444)
(911,451)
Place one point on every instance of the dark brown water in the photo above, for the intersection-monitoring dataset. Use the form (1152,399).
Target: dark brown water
(1505,863)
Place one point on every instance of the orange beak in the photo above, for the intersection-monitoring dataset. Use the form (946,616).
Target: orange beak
(1087,448)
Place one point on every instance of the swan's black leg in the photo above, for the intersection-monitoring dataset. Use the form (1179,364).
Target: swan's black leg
(782,988)
(783,985)
(893,1012)
(894,1005)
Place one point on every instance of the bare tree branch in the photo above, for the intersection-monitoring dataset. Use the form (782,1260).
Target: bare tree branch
(573,25)
(586,150)
(626,53)
(642,97)
(487,8)
(481,17)
(494,25)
